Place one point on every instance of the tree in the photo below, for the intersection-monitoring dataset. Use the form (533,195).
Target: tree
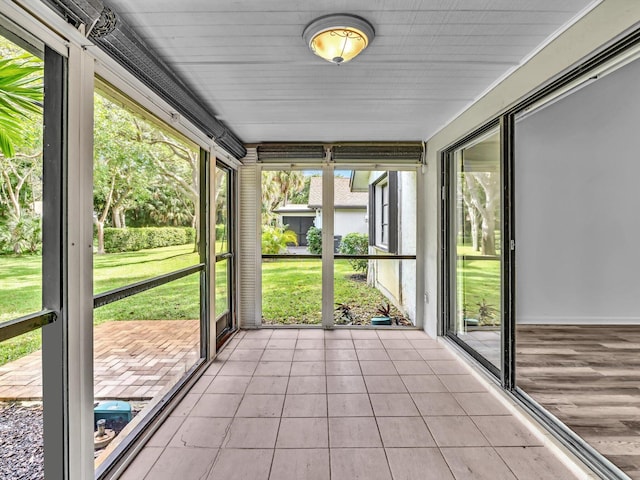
(484,197)
(21,94)
(277,187)
(120,172)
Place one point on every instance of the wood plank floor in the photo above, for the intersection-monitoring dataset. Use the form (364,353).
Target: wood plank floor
(588,377)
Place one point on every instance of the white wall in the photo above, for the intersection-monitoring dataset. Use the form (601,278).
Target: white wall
(349,221)
(598,27)
(577,226)
(407,238)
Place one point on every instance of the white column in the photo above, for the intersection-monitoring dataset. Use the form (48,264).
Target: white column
(327,245)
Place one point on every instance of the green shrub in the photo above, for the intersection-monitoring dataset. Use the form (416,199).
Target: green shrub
(21,235)
(276,239)
(356,244)
(133,239)
(314,240)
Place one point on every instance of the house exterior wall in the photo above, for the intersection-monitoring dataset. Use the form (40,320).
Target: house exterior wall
(346,221)
(599,27)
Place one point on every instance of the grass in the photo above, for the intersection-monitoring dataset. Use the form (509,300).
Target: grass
(292,292)
(478,281)
(20,290)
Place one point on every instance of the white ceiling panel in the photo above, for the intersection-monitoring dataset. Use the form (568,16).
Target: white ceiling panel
(248,63)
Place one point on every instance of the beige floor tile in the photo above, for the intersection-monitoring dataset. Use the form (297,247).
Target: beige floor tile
(349,405)
(310,355)
(418,463)
(346,384)
(273,369)
(479,463)
(213,368)
(246,355)
(282,343)
(434,404)
(261,406)
(309,405)
(216,405)
(384,384)
(335,355)
(412,367)
(202,384)
(424,384)
(303,369)
(337,333)
(356,432)
(303,433)
(273,385)
(435,354)
(368,344)
(252,433)
(258,333)
(277,355)
(228,384)
(285,333)
(367,355)
(299,464)
(390,343)
(201,432)
(481,404)
(338,344)
(310,384)
(462,383)
(359,463)
(310,344)
(186,405)
(251,342)
(503,431)
(392,335)
(448,367)
(238,368)
(377,367)
(164,434)
(364,334)
(312,333)
(452,431)
(534,463)
(393,405)
(405,432)
(241,464)
(182,462)
(343,368)
(400,354)
(420,344)
(142,463)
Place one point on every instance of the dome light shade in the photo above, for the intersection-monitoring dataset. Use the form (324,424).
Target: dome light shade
(338,38)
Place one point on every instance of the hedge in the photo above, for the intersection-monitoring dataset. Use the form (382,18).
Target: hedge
(132,239)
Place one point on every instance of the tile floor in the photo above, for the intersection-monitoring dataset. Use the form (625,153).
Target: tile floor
(342,404)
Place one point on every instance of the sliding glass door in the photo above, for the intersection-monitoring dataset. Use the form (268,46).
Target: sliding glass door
(473,236)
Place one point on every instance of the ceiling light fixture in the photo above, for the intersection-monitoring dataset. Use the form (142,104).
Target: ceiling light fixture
(338,38)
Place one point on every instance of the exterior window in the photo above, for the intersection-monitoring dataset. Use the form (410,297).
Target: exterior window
(383,212)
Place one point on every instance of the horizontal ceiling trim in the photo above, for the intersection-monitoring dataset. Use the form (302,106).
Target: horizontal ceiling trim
(353,153)
(112,34)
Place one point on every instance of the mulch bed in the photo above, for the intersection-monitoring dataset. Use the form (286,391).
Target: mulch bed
(21,451)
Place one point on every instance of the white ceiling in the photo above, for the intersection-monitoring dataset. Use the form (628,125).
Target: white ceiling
(429,60)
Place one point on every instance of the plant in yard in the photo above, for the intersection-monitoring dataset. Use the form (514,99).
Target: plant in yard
(314,240)
(356,244)
(383,316)
(384,310)
(276,239)
(486,312)
(344,313)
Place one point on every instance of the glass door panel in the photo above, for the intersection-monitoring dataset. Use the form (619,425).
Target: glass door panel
(224,272)
(291,239)
(475,316)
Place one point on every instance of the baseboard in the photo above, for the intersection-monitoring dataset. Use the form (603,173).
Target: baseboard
(578,320)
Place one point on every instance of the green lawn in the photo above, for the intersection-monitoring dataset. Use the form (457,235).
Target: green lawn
(478,281)
(292,292)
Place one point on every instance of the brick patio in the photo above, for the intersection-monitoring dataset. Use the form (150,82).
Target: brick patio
(134,360)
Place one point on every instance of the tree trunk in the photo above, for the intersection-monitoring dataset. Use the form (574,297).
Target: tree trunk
(100,225)
(116,216)
(473,220)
